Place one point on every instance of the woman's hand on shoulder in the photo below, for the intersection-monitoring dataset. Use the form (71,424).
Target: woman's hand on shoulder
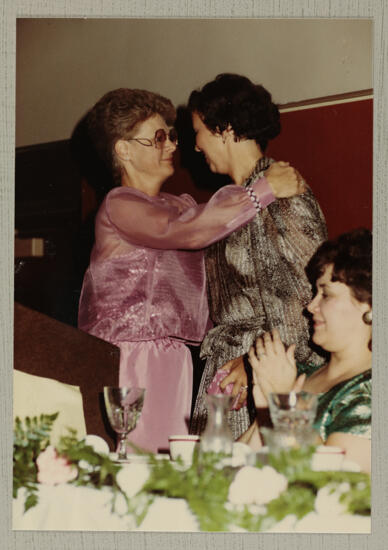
(284,180)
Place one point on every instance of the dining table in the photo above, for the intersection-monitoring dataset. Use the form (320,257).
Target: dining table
(68,507)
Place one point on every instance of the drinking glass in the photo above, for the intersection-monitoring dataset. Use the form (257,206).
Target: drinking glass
(293,410)
(124,406)
(278,439)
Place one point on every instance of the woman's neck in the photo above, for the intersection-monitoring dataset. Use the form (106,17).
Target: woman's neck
(149,188)
(244,155)
(342,366)
(350,362)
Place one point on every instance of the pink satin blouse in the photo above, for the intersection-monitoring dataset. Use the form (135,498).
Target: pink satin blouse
(146,278)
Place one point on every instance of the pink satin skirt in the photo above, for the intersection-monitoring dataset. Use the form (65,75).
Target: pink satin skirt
(164,368)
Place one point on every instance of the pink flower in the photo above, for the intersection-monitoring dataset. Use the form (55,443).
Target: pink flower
(53,469)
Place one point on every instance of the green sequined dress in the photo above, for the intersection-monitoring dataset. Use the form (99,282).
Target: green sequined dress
(346,407)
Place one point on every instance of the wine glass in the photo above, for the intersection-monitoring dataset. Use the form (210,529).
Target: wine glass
(123,406)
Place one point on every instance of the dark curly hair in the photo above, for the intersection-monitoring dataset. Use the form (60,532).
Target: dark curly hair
(231,100)
(350,254)
(117,114)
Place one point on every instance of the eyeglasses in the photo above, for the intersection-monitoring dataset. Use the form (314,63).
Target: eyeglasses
(159,139)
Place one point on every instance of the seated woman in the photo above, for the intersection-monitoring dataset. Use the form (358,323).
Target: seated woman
(144,289)
(341,271)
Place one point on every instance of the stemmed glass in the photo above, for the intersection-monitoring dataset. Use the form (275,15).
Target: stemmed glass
(124,406)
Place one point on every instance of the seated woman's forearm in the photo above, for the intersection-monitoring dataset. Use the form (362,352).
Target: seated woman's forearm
(357,448)
(252,437)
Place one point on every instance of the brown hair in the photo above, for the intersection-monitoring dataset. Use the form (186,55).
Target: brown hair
(350,254)
(117,114)
(233,100)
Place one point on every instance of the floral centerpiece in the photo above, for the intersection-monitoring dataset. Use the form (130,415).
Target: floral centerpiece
(255,498)
(36,461)
(219,497)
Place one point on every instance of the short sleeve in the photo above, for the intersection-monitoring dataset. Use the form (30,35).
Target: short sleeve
(308,368)
(350,411)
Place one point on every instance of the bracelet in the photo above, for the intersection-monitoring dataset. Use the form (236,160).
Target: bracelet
(254,199)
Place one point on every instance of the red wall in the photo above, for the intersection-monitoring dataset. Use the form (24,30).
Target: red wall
(332,148)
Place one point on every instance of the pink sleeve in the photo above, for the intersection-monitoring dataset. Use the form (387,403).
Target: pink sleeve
(181,223)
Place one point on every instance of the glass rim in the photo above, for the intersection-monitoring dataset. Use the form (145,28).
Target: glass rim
(292,392)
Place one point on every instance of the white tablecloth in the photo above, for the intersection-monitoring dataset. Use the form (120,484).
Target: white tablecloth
(66,507)
(69,508)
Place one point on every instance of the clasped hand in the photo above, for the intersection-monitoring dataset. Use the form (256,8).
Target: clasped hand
(274,368)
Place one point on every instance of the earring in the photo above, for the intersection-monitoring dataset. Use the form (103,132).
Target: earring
(367,317)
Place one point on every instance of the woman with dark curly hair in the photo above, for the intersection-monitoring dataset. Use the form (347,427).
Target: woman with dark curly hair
(255,276)
(341,273)
(144,289)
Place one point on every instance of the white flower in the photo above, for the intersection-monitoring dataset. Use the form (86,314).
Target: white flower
(344,487)
(257,510)
(327,501)
(85,465)
(132,477)
(256,486)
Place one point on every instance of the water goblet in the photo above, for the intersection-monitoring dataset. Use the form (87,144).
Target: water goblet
(124,406)
(293,410)
(279,439)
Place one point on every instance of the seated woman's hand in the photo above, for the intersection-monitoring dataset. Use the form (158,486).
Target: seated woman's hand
(238,377)
(274,367)
(284,180)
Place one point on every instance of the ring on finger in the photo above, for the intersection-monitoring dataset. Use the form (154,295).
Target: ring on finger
(244,388)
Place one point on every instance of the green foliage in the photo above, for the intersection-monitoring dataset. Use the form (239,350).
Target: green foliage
(358,498)
(249,521)
(31,437)
(204,485)
(298,500)
(292,462)
(295,465)
(94,469)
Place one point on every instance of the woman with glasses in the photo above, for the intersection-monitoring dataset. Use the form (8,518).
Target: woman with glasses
(144,289)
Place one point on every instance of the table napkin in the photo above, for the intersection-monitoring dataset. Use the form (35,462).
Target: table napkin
(35,395)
